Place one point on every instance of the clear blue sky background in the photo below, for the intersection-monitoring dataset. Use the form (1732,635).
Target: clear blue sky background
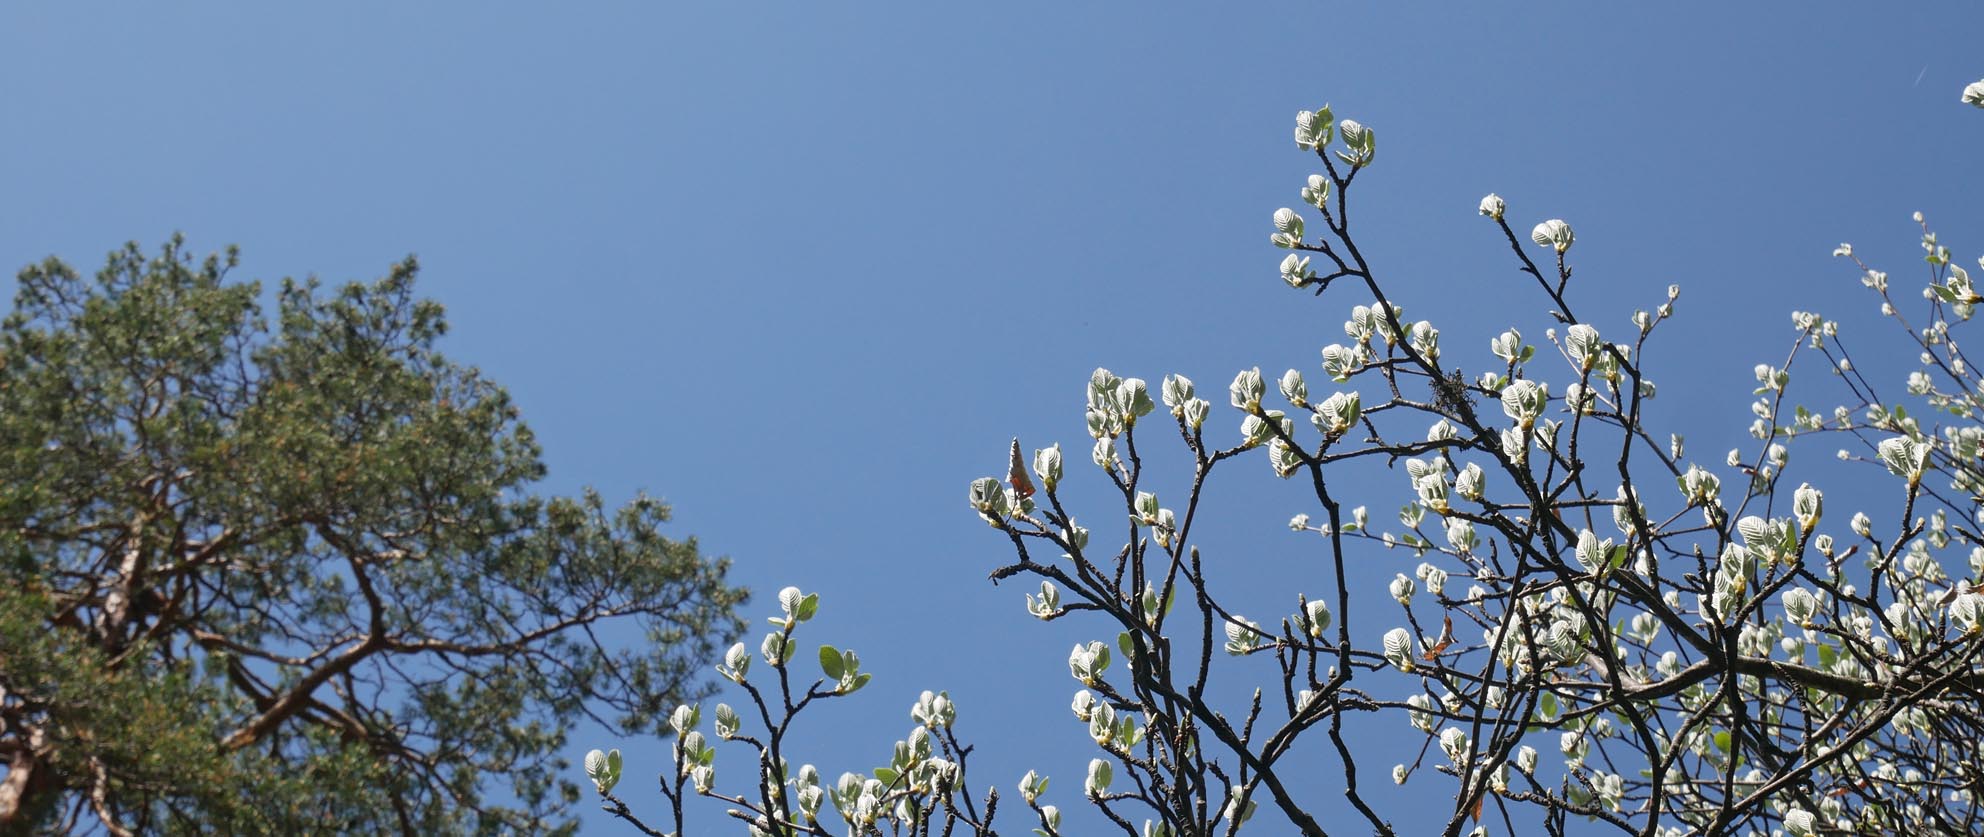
(803,270)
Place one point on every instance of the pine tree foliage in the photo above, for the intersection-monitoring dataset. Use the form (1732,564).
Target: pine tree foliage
(288,574)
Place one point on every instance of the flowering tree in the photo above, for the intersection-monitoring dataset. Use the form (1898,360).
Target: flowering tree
(1603,629)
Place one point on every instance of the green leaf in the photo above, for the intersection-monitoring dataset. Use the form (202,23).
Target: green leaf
(830,662)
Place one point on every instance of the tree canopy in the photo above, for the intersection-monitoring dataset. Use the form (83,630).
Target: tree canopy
(289,575)
(1605,629)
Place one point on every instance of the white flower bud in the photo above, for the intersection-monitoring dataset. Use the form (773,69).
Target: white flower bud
(1799,606)
(1554,234)
(1313,128)
(1401,590)
(1246,390)
(1398,649)
(1317,193)
(736,663)
(1100,773)
(1288,228)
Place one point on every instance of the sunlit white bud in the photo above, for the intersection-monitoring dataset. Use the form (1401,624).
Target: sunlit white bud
(1235,813)
(736,663)
(1808,505)
(1967,613)
(1592,554)
(1432,491)
(1469,484)
(1293,388)
(1084,705)
(1799,822)
(1246,390)
(1288,228)
(1398,649)
(1574,745)
(1361,325)
(1453,741)
(1049,602)
(1419,712)
(1425,339)
(684,718)
(1554,234)
(1176,390)
(1579,398)
(1339,361)
(1800,606)
(1100,773)
(1196,411)
(1513,446)
(1382,317)
(1904,457)
(1360,143)
(1412,516)
(1031,786)
(1434,578)
(1493,206)
(603,769)
(1317,193)
(1295,270)
(1525,400)
(1087,662)
(1102,725)
(1313,128)
(1582,343)
(1461,536)
(988,498)
(1242,636)
(1318,617)
(933,710)
(1401,589)
(1338,413)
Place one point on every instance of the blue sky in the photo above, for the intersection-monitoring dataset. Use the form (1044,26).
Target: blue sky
(804,270)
